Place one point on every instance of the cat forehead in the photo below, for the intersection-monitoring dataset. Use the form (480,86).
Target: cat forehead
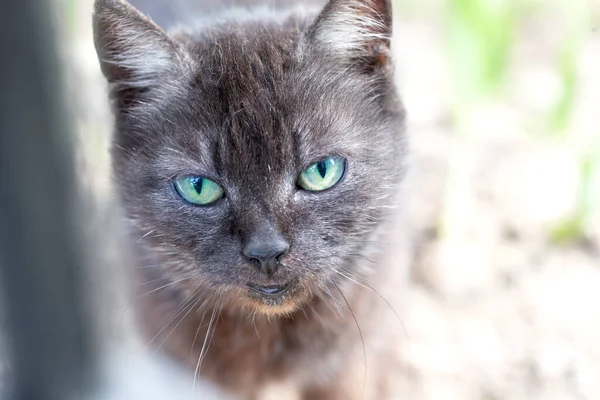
(260,72)
(245,122)
(244,57)
(263,88)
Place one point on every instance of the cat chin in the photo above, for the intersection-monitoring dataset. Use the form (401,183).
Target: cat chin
(280,310)
(280,307)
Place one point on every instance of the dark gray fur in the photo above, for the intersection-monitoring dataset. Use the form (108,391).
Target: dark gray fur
(250,105)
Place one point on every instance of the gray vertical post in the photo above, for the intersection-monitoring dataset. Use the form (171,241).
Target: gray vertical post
(41,257)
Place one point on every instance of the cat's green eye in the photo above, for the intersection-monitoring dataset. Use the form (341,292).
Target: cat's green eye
(197,190)
(322,175)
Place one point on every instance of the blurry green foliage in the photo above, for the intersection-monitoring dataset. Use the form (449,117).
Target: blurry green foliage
(574,227)
(481,33)
(480,38)
(577,24)
(567,66)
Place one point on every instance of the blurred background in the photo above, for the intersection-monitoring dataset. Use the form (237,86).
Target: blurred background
(503,100)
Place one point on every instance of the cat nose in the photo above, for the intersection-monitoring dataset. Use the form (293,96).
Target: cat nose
(266,253)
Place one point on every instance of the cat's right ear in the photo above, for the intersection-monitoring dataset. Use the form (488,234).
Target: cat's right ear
(134,52)
(355,32)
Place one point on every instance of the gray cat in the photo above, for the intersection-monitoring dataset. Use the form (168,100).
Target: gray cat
(259,159)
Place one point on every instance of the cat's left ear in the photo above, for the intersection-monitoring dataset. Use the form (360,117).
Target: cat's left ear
(355,31)
(134,52)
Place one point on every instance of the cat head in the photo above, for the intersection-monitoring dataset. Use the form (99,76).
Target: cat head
(256,159)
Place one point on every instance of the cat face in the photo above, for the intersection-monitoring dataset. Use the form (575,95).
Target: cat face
(255,161)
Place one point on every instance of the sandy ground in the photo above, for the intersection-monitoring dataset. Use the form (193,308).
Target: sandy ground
(495,312)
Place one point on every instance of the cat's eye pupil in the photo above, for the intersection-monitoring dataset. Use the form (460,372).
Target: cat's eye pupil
(322,175)
(322,168)
(198,190)
(197,182)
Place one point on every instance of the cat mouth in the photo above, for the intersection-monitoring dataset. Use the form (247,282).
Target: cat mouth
(269,292)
